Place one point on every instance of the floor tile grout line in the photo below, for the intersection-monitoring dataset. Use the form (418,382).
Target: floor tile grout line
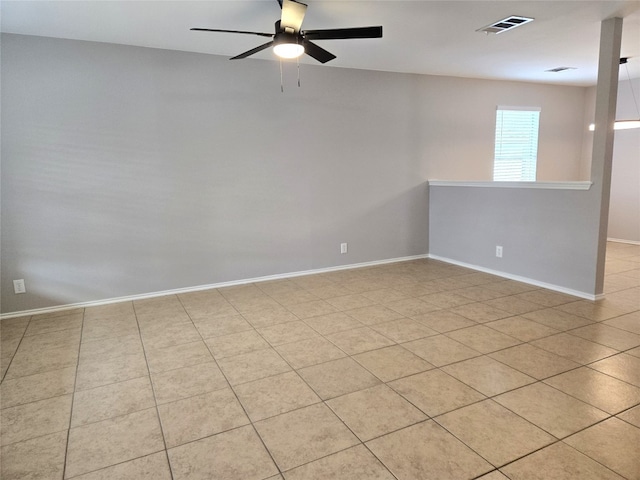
(153,391)
(4,375)
(73,398)
(255,430)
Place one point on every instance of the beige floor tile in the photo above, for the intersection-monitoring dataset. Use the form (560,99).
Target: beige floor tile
(112,400)
(495,475)
(178,356)
(151,467)
(269,316)
(36,387)
(546,298)
(557,319)
(559,462)
(97,373)
(309,352)
(14,327)
(631,416)
(480,312)
(37,458)
(597,389)
(287,333)
(35,419)
(236,344)
(510,287)
(534,361)
(440,350)
(187,382)
(304,435)
(478,293)
(64,338)
(374,314)
(112,347)
(522,328)
(234,455)
(332,323)
(386,295)
(411,307)
(483,339)
(444,321)
(634,351)
(329,291)
(427,451)
(550,409)
(595,311)
(275,395)
(225,325)
(311,309)
(197,417)
(169,335)
(624,367)
(434,392)
(391,363)
(103,312)
(349,302)
(293,297)
(359,340)
(102,444)
(487,375)
(102,328)
(574,348)
(403,330)
(629,322)
(513,305)
(355,463)
(252,366)
(496,433)
(27,363)
(375,411)
(607,335)
(337,377)
(49,325)
(613,443)
(448,300)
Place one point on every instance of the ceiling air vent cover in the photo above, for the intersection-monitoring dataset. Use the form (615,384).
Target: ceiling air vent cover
(505,24)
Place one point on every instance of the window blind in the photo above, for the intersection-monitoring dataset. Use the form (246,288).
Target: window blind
(516,149)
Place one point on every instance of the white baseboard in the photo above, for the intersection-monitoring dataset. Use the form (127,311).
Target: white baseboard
(282,276)
(620,240)
(530,281)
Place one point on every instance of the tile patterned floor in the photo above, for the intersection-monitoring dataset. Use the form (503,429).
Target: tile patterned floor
(415,370)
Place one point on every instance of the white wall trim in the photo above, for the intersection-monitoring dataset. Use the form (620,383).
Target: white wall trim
(198,288)
(534,185)
(620,240)
(530,281)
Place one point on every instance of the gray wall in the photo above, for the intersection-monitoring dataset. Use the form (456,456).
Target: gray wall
(624,210)
(128,170)
(547,235)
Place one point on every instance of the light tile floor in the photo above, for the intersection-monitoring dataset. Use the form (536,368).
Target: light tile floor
(413,370)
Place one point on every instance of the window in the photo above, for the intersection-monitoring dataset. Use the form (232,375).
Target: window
(516,152)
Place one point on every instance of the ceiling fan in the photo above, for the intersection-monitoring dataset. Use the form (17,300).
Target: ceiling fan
(289,41)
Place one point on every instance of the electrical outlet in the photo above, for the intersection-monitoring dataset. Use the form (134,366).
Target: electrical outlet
(343,248)
(19,287)
(498,251)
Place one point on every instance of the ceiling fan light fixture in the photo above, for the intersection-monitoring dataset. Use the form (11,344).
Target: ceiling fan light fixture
(288,50)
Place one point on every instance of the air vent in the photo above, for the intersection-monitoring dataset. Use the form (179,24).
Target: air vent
(560,69)
(505,24)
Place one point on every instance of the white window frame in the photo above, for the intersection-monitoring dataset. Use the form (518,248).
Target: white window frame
(516,144)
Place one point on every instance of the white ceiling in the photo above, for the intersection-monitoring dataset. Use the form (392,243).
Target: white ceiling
(427,37)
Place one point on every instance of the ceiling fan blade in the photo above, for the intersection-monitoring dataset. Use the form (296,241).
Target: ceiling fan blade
(252,51)
(279,3)
(340,33)
(292,15)
(319,53)
(232,31)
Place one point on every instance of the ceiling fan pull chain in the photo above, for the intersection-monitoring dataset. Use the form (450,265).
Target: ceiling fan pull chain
(281,82)
(298,62)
